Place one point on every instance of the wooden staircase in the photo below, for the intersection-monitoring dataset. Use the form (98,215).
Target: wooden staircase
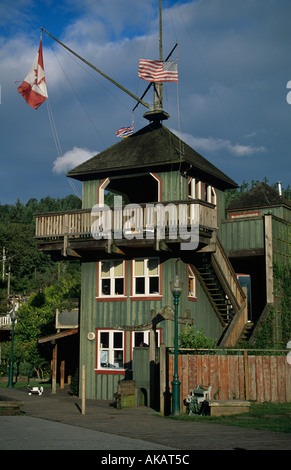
(215,291)
(224,292)
(246,332)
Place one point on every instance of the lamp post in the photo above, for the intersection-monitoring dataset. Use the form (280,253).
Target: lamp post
(13,316)
(176,289)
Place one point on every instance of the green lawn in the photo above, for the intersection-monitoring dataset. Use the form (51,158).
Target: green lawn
(32,383)
(266,416)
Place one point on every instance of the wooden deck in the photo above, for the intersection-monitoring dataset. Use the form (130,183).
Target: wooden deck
(147,221)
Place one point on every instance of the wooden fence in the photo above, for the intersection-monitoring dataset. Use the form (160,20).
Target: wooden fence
(261,378)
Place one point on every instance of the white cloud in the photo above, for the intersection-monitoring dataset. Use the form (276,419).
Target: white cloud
(71,158)
(211,144)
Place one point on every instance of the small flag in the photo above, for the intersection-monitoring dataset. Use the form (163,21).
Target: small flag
(124,132)
(33,89)
(158,70)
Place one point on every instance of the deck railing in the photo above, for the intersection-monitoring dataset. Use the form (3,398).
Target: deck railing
(6,321)
(143,216)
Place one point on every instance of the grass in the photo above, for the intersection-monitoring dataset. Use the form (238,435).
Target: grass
(266,416)
(32,383)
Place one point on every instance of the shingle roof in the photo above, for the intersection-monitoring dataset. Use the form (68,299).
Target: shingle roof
(261,195)
(151,147)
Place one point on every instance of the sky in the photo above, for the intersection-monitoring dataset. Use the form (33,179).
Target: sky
(230,104)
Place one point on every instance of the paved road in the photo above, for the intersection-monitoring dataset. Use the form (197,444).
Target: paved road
(58,422)
(28,433)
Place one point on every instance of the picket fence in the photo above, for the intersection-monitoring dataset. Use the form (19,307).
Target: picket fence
(261,378)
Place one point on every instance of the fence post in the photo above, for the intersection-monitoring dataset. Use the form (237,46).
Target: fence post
(246,371)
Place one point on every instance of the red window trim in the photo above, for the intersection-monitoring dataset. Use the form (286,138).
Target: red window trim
(110,371)
(146,296)
(112,298)
(191,298)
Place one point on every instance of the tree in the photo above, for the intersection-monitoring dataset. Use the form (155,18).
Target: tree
(36,318)
(29,268)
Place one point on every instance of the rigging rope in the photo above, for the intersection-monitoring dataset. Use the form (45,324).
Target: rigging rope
(58,144)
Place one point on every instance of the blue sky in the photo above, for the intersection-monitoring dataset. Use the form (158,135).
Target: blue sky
(230,104)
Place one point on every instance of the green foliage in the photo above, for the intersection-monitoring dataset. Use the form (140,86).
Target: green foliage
(36,318)
(282,281)
(191,338)
(30,269)
(74,387)
(279,314)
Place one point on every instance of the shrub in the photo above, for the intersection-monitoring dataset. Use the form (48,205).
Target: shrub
(195,339)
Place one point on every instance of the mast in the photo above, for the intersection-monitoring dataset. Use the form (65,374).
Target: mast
(157,113)
(98,70)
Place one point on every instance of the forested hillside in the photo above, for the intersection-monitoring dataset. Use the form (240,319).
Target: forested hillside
(28,269)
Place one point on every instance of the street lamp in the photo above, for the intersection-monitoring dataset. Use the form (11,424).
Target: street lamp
(13,316)
(176,288)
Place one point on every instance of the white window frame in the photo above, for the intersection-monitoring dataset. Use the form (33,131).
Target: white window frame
(106,354)
(195,189)
(211,194)
(112,279)
(192,289)
(146,337)
(146,277)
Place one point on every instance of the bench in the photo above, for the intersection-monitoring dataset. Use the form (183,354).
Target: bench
(35,390)
(10,407)
(197,398)
(228,407)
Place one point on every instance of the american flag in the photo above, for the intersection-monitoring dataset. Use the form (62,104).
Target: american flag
(124,132)
(158,70)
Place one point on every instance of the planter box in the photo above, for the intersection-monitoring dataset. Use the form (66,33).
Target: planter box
(228,407)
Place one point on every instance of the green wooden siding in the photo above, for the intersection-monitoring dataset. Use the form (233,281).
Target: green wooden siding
(242,234)
(90,193)
(109,314)
(281,231)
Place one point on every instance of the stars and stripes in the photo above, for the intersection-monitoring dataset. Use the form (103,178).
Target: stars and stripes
(158,70)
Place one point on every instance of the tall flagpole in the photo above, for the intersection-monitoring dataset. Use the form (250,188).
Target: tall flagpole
(158,88)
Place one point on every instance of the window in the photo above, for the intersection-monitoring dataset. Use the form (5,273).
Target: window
(110,353)
(191,284)
(142,338)
(146,277)
(203,191)
(210,194)
(195,189)
(111,278)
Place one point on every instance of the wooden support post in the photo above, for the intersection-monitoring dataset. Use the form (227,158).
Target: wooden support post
(54,367)
(83,390)
(269,259)
(152,356)
(62,375)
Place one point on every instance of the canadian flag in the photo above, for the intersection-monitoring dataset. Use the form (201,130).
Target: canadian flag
(33,89)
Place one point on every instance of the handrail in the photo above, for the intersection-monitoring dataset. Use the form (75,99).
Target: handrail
(227,276)
(79,222)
